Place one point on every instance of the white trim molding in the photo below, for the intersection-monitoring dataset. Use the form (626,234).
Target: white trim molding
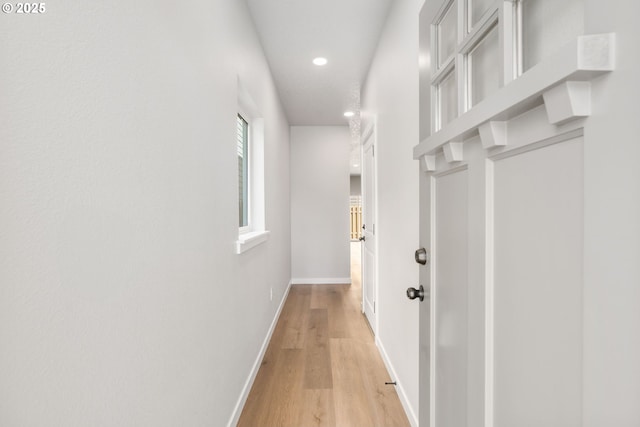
(411,414)
(250,240)
(428,163)
(561,83)
(567,101)
(322,281)
(453,151)
(493,134)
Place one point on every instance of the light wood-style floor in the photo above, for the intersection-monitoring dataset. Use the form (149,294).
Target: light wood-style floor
(322,367)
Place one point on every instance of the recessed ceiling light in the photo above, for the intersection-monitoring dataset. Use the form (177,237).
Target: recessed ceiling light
(349,113)
(320,61)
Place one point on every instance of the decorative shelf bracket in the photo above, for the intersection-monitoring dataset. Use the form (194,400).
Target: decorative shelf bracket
(493,134)
(453,151)
(568,101)
(428,163)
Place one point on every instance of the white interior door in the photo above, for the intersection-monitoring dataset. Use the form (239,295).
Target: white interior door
(450,298)
(369,291)
(426,365)
(452,318)
(502,216)
(504,318)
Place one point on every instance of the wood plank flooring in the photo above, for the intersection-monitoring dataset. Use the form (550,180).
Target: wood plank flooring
(322,367)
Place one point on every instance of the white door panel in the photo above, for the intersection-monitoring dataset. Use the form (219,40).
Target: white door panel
(504,322)
(501,337)
(538,286)
(449,294)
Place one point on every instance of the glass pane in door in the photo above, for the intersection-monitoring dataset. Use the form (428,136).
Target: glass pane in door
(447,99)
(484,67)
(477,8)
(447,34)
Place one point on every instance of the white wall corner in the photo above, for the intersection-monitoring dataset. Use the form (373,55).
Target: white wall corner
(453,151)
(428,163)
(567,101)
(493,134)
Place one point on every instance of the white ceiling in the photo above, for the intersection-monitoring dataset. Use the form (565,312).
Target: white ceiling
(293,32)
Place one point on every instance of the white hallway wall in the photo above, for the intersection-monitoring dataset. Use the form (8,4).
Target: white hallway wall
(390,99)
(612,241)
(122,301)
(320,204)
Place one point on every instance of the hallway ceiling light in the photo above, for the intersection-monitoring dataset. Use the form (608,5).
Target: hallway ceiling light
(320,61)
(350,30)
(349,113)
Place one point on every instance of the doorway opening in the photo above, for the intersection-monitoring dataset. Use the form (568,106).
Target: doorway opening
(355,217)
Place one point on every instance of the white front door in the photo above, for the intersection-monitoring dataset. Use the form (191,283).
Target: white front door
(504,228)
(502,217)
(451,318)
(369,290)
(451,297)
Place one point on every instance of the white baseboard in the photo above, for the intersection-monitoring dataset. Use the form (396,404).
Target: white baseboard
(408,409)
(235,415)
(325,281)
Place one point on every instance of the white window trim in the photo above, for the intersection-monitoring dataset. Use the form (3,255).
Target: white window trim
(250,240)
(255,233)
(247,228)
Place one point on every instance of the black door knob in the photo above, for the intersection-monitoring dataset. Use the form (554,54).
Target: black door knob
(413,293)
(362,239)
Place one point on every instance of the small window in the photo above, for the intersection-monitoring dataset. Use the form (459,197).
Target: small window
(251,183)
(243,171)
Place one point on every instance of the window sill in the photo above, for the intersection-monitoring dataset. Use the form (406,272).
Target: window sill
(250,240)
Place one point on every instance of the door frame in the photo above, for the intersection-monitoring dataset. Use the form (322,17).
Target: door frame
(368,139)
